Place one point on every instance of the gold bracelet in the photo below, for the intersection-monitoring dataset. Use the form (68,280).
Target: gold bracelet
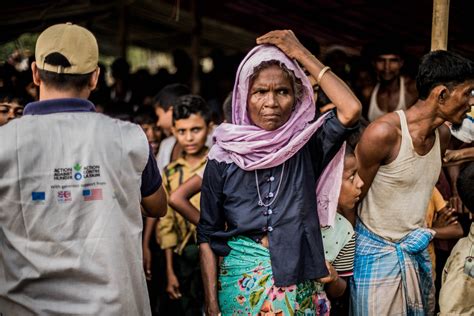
(321,74)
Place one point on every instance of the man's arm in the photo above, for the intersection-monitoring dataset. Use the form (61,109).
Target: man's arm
(148,230)
(374,149)
(155,205)
(459,155)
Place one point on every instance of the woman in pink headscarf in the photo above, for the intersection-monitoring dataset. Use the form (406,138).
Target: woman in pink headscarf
(269,175)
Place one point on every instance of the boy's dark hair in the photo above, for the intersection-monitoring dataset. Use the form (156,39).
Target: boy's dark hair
(6,97)
(354,138)
(350,151)
(442,68)
(145,115)
(465,186)
(169,94)
(191,104)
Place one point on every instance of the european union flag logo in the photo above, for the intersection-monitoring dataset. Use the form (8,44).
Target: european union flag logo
(38,196)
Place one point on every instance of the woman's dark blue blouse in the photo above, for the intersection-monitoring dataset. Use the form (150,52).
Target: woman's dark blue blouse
(229,206)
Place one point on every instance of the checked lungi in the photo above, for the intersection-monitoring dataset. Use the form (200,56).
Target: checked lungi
(392,278)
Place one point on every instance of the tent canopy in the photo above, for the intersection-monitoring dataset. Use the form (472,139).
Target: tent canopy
(233,25)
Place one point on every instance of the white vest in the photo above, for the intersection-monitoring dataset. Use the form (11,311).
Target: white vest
(398,197)
(374,110)
(70,221)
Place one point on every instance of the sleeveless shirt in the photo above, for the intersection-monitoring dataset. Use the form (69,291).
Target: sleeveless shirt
(374,110)
(397,200)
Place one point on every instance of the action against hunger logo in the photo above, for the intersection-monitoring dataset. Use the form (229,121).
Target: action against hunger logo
(77,172)
(77,175)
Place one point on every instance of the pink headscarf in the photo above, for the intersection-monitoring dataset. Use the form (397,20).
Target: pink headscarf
(251,147)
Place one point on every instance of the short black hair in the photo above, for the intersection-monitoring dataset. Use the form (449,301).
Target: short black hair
(8,97)
(442,68)
(61,81)
(167,96)
(145,115)
(465,186)
(354,138)
(390,45)
(64,81)
(191,104)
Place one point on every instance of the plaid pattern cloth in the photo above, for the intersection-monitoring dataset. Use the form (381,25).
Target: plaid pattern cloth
(392,278)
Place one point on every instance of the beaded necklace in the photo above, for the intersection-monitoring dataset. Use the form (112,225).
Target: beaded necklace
(260,202)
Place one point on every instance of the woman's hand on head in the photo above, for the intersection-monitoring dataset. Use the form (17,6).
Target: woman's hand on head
(286,41)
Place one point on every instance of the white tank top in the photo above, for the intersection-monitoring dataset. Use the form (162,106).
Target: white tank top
(374,110)
(397,200)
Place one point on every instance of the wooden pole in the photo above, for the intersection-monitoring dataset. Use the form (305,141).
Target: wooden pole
(195,46)
(439,32)
(122,34)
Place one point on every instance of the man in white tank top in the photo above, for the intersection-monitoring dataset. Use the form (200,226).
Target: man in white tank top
(400,161)
(72,182)
(392,92)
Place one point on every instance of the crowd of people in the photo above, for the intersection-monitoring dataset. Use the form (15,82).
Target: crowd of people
(315,186)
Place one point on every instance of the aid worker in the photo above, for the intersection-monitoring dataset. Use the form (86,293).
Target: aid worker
(72,182)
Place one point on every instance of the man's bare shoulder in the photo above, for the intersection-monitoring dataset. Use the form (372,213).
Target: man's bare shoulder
(385,129)
(380,142)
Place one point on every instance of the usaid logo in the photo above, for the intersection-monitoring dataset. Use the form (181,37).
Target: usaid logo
(64,196)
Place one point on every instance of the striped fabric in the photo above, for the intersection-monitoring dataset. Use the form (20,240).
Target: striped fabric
(392,278)
(344,262)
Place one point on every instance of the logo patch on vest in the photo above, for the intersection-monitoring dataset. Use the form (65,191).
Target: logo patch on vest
(92,194)
(62,173)
(77,172)
(64,196)
(38,196)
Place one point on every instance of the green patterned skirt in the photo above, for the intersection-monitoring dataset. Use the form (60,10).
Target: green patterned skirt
(246,285)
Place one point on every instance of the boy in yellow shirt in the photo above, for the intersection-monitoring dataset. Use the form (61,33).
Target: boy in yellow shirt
(176,235)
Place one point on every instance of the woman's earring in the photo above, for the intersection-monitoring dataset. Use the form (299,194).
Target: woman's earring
(293,108)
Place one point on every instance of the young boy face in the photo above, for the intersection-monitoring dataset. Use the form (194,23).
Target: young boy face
(351,184)
(191,133)
(9,111)
(153,134)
